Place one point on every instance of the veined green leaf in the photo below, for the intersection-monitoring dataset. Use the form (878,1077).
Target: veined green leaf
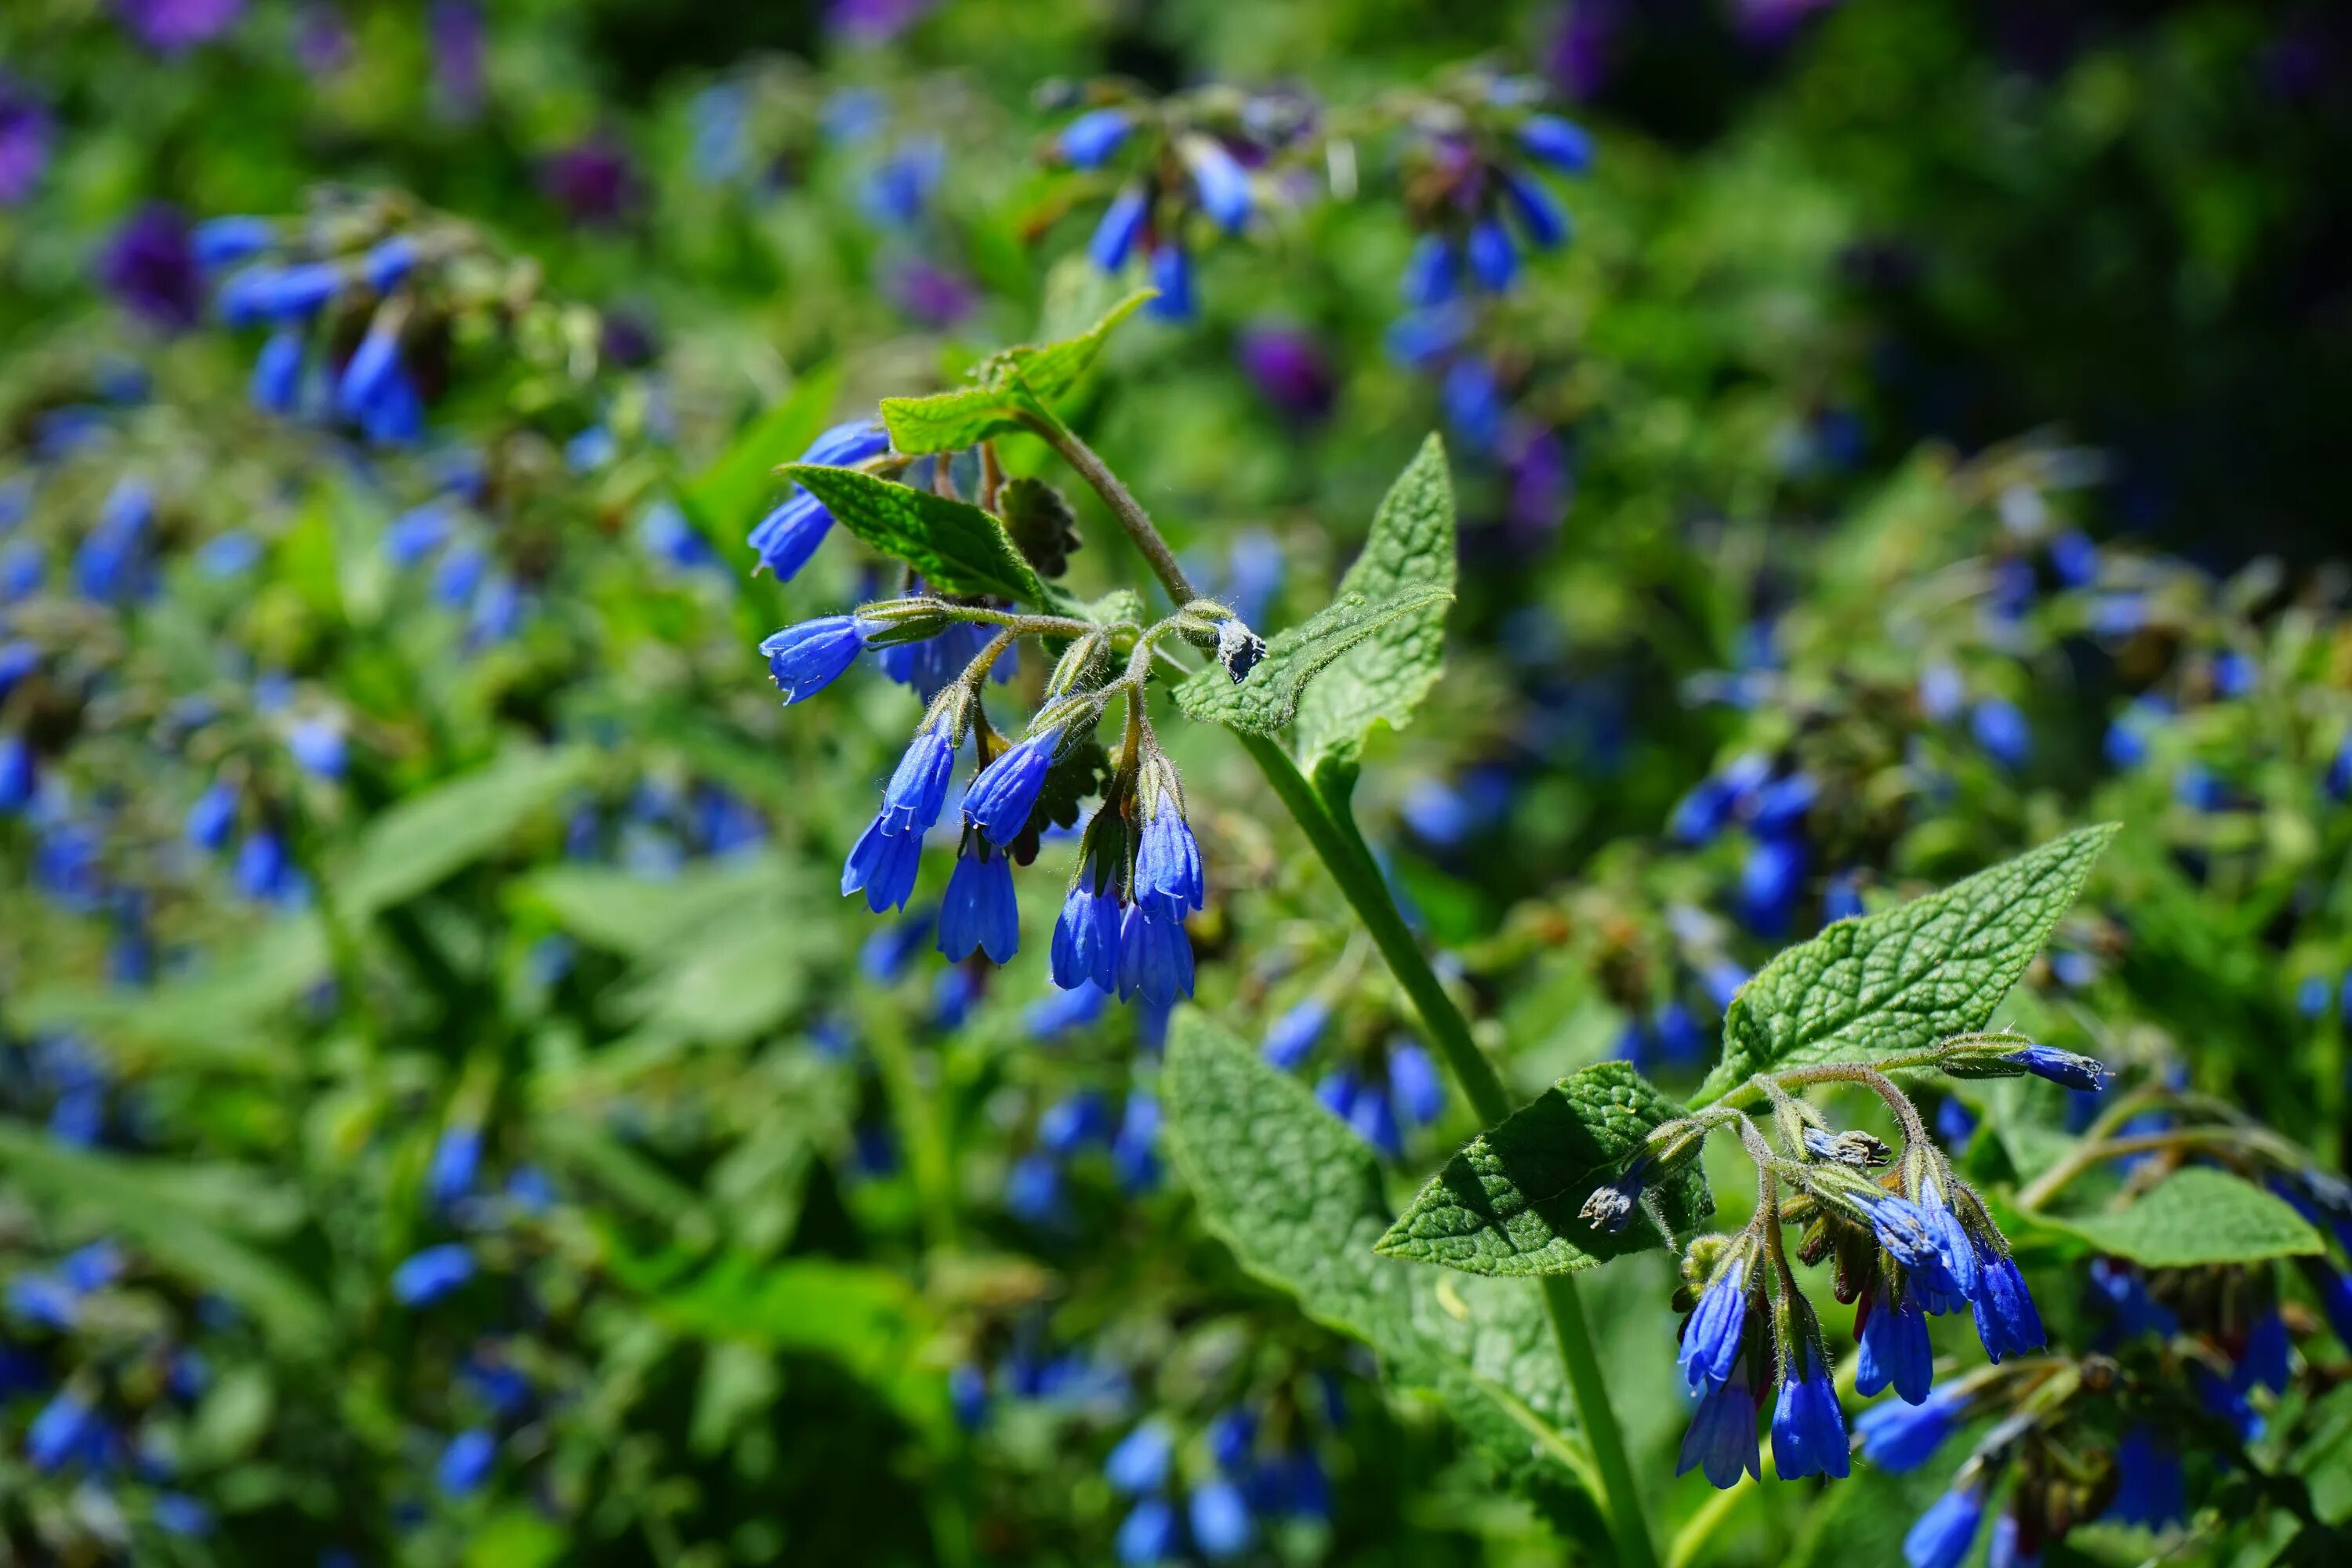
(1268,700)
(949,421)
(2195,1217)
(1508,1203)
(1297,1195)
(957,547)
(429,837)
(1385,678)
(1903,979)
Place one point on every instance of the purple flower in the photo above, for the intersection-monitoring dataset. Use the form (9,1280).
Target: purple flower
(25,134)
(1288,369)
(593,181)
(978,913)
(150,266)
(807,658)
(172,26)
(454,31)
(874,21)
(931,294)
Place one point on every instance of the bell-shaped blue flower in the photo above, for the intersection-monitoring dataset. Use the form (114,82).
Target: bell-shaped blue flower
(1085,939)
(1562,143)
(456,1161)
(1808,1431)
(225,241)
(2007,1320)
(788,536)
(1001,797)
(1155,957)
(1713,1336)
(978,912)
(2000,727)
(1172,274)
(1168,877)
(1721,1439)
(1540,216)
(1290,1037)
(1901,1437)
(426,1277)
(1372,1115)
(318,747)
(1895,1349)
(107,566)
(370,377)
(1088,140)
(276,385)
(883,863)
(1413,1084)
(1431,274)
(1942,1535)
(1140,1461)
(211,817)
(848,444)
(1222,183)
(806,658)
(466,1463)
(1148,1534)
(388,263)
(918,786)
(1494,260)
(2150,1489)
(1117,230)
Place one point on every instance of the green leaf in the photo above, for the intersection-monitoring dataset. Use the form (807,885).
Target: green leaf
(1385,679)
(1298,1197)
(957,547)
(428,837)
(2195,1217)
(1268,700)
(640,917)
(727,497)
(1508,1203)
(1901,980)
(222,1016)
(949,421)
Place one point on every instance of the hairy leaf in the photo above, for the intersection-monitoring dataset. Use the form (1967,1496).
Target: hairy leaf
(957,547)
(2195,1217)
(1903,979)
(1508,1203)
(949,421)
(1386,676)
(1297,1195)
(429,837)
(1268,700)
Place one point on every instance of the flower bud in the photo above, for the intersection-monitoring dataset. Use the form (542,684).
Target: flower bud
(912,620)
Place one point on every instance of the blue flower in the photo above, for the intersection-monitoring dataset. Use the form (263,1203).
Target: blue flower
(1901,1437)
(1895,1349)
(1431,275)
(418,532)
(466,1463)
(2000,729)
(788,536)
(1155,957)
(2339,771)
(2007,1320)
(64,1430)
(262,871)
(1373,1117)
(1133,1152)
(277,383)
(1902,1228)
(806,658)
(212,816)
(1222,183)
(883,863)
(1677,1034)
(1561,143)
(2233,673)
(1779,806)
(1085,939)
(2315,996)
(176,1513)
(1074,1120)
(1116,231)
(1943,1534)
(978,912)
(106,565)
(1221,1519)
(1140,1463)
(1808,1432)
(93,1268)
(370,374)
(388,263)
(1423,337)
(2265,1362)
(1413,1084)
(1292,1036)
(1545,225)
(1001,798)
(2150,1486)
(457,1159)
(1494,260)
(1148,1535)
(1474,403)
(1168,877)
(1841,898)
(1723,979)
(2126,1296)
(225,241)
(2006,1550)
(918,786)
(1088,140)
(1721,1441)
(1033,1190)
(968,1395)
(1770,881)
(317,746)
(1712,1333)
(1172,274)
(2076,1072)
(426,1277)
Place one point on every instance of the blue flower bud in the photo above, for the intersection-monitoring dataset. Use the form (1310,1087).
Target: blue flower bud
(1140,1463)
(457,1160)
(1841,897)
(1418,1092)
(1895,1352)
(883,863)
(1148,1534)
(2000,729)
(1431,275)
(805,658)
(63,1431)
(1221,1519)
(1292,1036)
(1713,1334)
(107,566)
(318,748)
(2339,771)
(1086,941)
(1001,797)
(1770,881)
(1540,216)
(1373,1117)
(1088,140)
(223,241)
(466,1463)
(2075,559)
(1168,877)
(1943,1534)
(2076,1072)
(1222,183)
(1232,1436)
(1901,1437)
(1155,957)
(1116,232)
(1494,260)
(21,570)
(261,871)
(978,912)
(426,1277)
(1564,144)
(389,263)
(276,385)
(1721,1441)
(1033,1191)
(1337,1091)
(1422,337)
(1172,274)
(2007,1320)
(1474,404)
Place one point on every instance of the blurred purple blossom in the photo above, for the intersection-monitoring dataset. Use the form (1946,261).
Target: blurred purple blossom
(874,21)
(593,181)
(933,295)
(25,132)
(171,26)
(150,266)
(456,32)
(1288,368)
(322,40)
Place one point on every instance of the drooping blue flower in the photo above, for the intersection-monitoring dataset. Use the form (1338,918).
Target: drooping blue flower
(1220,1518)
(978,912)
(1155,957)
(1085,939)
(1901,1437)
(1902,1228)
(225,241)
(1117,230)
(1564,144)
(1148,1535)
(2000,727)
(1721,1441)
(1942,1535)
(388,263)
(2150,1490)
(2081,1073)
(1374,1116)
(433,1274)
(176,1513)
(1432,276)
(1895,1349)
(1001,798)
(317,746)
(1222,183)
(1540,216)
(1172,274)
(1494,260)
(269,293)
(1033,1191)
(466,1463)
(2006,1549)
(883,863)
(368,376)
(457,1160)
(806,658)
(2265,1362)
(2233,673)
(1089,141)
(277,383)
(2007,1320)
(1140,1463)
(1421,338)
(18,659)
(1713,1334)
(1769,880)
(1474,404)
(262,871)
(918,786)
(1074,1120)
(62,1433)
(1413,1084)
(1959,1269)
(107,566)
(2315,996)
(1168,876)
(1134,1152)
(1779,806)
(1292,1035)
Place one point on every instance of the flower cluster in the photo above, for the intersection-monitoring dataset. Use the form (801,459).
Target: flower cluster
(1248,1476)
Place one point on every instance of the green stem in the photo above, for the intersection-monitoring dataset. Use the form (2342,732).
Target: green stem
(1115,495)
(1331,829)
(921,1126)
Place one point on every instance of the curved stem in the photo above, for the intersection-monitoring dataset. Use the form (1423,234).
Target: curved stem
(1332,832)
(1123,505)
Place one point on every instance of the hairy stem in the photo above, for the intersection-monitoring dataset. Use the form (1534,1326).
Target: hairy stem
(1332,832)
(1123,505)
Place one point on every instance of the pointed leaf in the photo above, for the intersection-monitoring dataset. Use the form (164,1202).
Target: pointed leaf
(1298,1197)
(1383,679)
(727,498)
(949,421)
(1269,698)
(2195,1218)
(1903,979)
(430,836)
(957,547)
(1508,1203)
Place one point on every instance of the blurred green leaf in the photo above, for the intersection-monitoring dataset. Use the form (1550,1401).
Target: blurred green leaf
(1385,678)
(1268,700)
(1903,979)
(227,1015)
(1508,1203)
(2196,1217)
(949,421)
(1298,1197)
(431,836)
(957,547)
(516,1538)
(639,917)
(727,497)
